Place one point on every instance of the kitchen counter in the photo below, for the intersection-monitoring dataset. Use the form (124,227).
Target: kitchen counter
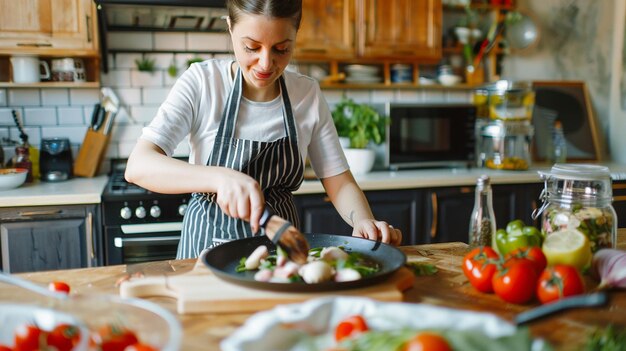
(71,192)
(448,287)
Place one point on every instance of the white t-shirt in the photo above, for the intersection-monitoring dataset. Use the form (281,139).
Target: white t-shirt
(196,102)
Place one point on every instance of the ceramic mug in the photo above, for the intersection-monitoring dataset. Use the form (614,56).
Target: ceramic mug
(28,69)
(68,70)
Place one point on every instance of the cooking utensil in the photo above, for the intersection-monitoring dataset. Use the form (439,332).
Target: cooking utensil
(591,300)
(111,103)
(284,234)
(224,259)
(20,127)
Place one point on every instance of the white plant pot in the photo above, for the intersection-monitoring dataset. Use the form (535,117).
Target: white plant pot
(360,161)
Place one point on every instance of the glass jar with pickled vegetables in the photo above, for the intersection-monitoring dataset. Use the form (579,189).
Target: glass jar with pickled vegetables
(579,197)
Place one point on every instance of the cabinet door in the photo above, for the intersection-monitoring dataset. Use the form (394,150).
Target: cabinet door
(398,208)
(43,245)
(619,202)
(404,29)
(450,209)
(326,30)
(53,24)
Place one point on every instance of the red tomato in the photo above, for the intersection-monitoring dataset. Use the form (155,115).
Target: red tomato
(350,326)
(27,337)
(533,253)
(516,282)
(427,342)
(559,281)
(59,287)
(5,348)
(64,337)
(479,268)
(140,347)
(116,338)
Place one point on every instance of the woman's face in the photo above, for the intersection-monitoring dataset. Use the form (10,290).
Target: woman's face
(263,47)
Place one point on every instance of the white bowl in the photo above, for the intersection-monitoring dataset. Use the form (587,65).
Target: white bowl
(11,178)
(449,79)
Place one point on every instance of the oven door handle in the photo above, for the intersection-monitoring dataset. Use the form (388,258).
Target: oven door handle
(151,228)
(162,240)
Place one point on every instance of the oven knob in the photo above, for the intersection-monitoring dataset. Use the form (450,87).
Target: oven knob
(182,209)
(140,212)
(155,211)
(125,212)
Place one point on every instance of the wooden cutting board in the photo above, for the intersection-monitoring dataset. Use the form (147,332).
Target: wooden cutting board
(200,291)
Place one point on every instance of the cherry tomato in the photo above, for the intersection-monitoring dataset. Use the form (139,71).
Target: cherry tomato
(516,282)
(350,326)
(559,281)
(479,268)
(27,337)
(5,348)
(427,342)
(64,337)
(61,287)
(116,338)
(140,347)
(533,253)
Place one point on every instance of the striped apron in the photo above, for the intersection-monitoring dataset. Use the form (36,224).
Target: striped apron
(276,165)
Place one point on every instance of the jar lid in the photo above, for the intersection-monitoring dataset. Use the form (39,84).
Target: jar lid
(578,172)
(504,86)
(578,182)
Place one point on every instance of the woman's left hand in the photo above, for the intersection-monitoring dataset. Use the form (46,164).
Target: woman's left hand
(377,230)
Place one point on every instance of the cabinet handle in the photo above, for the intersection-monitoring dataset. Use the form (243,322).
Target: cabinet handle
(619,198)
(37,45)
(433,223)
(89,233)
(619,186)
(39,213)
(88,20)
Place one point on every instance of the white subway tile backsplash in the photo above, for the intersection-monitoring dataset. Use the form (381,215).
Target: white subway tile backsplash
(3,97)
(127,60)
(111,151)
(168,80)
(6,117)
(409,96)
(154,95)
(360,96)
(169,41)
(126,133)
(76,134)
(144,114)
(161,61)
(84,96)
(146,79)
(34,134)
(333,96)
(55,97)
(24,97)
(433,96)
(73,115)
(383,96)
(116,78)
(125,148)
(130,40)
(122,117)
(230,56)
(40,116)
(129,96)
(458,96)
(208,42)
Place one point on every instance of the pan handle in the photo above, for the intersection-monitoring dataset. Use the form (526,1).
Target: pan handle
(591,300)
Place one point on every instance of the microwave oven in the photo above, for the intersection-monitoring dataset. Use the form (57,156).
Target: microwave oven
(421,136)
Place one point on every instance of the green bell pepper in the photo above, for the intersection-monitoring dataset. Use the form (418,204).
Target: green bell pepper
(517,235)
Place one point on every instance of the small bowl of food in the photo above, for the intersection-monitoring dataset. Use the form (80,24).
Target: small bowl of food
(11,178)
(449,79)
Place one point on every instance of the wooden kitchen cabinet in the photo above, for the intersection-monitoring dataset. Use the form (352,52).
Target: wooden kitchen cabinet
(49,29)
(49,237)
(400,29)
(397,207)
(326,30)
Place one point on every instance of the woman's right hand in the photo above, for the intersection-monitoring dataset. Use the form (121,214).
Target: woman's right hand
(240,196)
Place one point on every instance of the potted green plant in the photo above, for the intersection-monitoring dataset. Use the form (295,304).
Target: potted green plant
(360,125)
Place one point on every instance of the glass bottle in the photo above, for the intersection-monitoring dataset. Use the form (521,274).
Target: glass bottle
(482,227)
(22,160)
(556,148)
(579,197)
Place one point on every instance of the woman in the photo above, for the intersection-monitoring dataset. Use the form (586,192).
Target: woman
(251,125)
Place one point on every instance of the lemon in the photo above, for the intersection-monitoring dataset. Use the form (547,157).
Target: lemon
(568,246)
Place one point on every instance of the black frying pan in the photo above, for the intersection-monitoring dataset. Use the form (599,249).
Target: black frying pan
(223,260)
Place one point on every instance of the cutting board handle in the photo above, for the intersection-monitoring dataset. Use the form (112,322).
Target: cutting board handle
(147,287)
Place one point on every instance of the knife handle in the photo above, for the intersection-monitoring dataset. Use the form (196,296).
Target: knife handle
(591,300)
(265,217)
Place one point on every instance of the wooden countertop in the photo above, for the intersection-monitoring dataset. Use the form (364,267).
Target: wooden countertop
(448,287)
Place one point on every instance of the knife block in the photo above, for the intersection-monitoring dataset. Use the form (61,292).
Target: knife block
(91,153)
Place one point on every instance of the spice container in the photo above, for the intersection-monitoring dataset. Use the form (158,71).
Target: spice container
(482,227)
(579,197)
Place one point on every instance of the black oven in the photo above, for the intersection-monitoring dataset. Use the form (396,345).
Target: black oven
(431,135)
(139,225)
